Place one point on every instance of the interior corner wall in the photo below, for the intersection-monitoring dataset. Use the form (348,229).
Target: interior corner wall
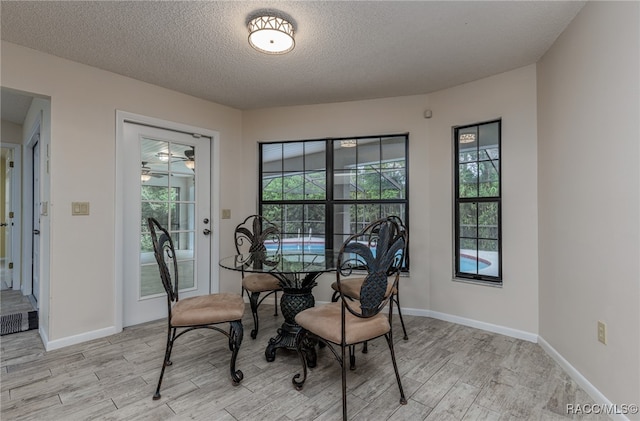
(84,101)
(511,96)
(344,119)
(589,196)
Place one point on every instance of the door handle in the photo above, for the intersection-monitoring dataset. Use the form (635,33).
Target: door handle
(36,232)
(206,231)
(4,224)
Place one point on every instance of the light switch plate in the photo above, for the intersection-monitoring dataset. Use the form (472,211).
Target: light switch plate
(79,208)
(226,213)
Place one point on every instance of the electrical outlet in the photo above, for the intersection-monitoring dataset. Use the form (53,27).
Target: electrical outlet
(602,332)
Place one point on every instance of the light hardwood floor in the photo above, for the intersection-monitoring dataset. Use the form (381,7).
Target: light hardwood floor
(449,372)
(12,301)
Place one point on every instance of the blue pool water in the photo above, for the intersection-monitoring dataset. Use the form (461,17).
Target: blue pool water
(468,264)
(308,247)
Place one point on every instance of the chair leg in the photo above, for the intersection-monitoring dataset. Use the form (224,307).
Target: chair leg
(253,301)
(235,340)
(171,334)
(404,329)
(352,357)
(343,364)
(389,338)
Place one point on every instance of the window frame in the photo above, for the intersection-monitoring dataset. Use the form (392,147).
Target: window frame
(457,201)
(329,201)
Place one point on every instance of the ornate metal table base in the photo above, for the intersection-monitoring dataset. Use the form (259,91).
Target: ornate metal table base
(296,296)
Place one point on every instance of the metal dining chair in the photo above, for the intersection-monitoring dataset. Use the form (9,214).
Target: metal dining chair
(345,323)
(255,234)
(200,312)
(351,287)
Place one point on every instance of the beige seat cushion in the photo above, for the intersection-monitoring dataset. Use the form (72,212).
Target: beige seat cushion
(325,322)
(260,282)
(351,287)
(207,309)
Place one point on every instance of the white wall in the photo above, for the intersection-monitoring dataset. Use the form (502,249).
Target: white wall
(84,101)
(589,190)
(10,132)
(510,96)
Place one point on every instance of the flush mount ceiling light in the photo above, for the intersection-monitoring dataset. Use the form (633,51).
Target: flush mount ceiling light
(271,34)
(467,137)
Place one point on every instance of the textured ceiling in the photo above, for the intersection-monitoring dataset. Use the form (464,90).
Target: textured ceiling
(345,50)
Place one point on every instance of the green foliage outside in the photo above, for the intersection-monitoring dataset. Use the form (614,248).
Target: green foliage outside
(386,180)
(155,204)
(478,219)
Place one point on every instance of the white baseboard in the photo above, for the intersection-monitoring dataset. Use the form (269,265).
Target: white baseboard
(507,331)
(591,390)
(76,339)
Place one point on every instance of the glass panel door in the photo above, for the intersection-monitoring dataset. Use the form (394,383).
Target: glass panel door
(168,176)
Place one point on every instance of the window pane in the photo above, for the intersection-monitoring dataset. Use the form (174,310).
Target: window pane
(314,221)
(489,135)
(292,217)
(467,154)
(273,213)
(179,158)
(344,184)
(293,184)
(489,179)
(393,183)
(368,184)
(293,156)
(468,180)
(154,154)
(488,220)
(393,149)
(369,152)
(342,220)
(315,185)
(187,278)
(468,220)
(344,154)
(393,209)
(157,210)
(150,282)
(271,186)
(271,157)
(183,217)
(315,155)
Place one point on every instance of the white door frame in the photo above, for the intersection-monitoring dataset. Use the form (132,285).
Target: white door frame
(121,118)
(16,178)
(27,209)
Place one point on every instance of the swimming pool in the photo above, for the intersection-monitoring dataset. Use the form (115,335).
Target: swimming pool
(468,264)
(314,247)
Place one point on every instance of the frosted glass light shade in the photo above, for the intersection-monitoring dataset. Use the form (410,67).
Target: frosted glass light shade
(271,35)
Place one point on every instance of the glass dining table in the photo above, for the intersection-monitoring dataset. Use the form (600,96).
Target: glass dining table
(297,271)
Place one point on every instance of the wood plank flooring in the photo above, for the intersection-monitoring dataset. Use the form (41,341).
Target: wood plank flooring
(12,301)
(449,372)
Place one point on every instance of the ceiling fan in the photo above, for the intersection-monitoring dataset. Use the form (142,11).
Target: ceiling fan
(188,158)
(146,173)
